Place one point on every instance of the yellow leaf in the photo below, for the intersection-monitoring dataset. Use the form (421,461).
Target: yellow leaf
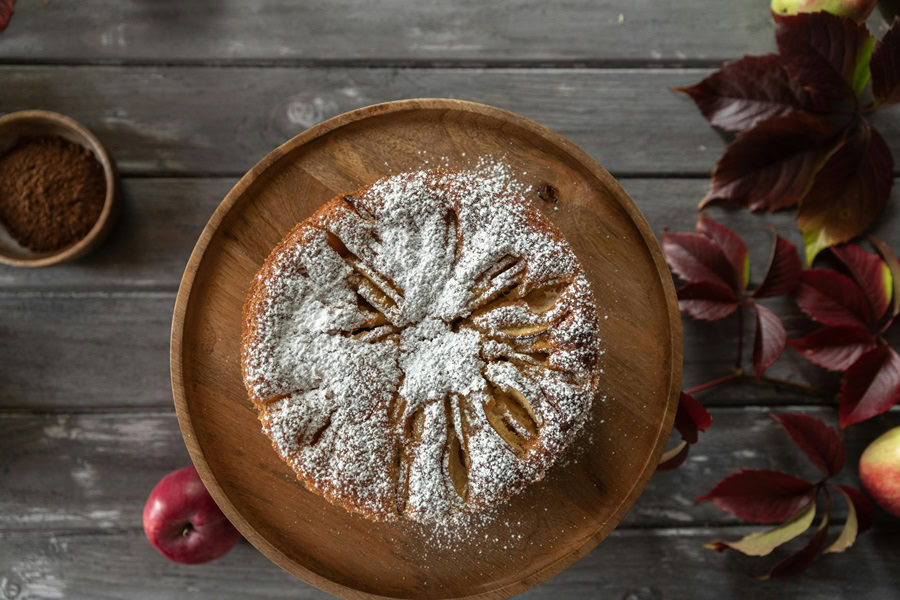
(814,241)
(762,543)
(670,454)
(850,530)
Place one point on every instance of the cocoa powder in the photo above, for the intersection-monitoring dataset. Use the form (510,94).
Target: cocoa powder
(51,192)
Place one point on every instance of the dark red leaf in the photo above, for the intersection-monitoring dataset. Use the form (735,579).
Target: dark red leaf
(819,442)
(893,264)
(674,458)
(707,301)
(783,273)
(885,65)
(871,274)
(696,258)
(772,165)
(831,298)
(848,193)
(760,496)
(834,348)
(732,246)
(768,343)
(871,386)
(865,512)
(690,418)
(828,54)
(746,91)
(800,560)
(6,13)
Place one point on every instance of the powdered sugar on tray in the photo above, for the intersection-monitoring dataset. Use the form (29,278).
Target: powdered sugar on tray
(424,348)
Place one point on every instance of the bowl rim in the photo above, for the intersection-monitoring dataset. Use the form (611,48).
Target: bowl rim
(99,229)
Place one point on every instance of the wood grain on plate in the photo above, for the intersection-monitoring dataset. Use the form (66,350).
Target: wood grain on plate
(584,498)
(395,31)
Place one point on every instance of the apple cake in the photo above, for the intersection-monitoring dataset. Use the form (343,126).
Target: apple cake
(423,347)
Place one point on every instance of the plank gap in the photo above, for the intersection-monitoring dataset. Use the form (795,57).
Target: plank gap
(377,63)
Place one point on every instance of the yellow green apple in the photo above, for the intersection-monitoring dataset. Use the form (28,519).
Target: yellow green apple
(879,470)
(858,10)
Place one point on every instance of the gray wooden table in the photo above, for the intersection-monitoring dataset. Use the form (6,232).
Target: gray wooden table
(189,95)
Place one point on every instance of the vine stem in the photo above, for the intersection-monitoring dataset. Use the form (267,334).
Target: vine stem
(712,384)
(805,387)
(739,374)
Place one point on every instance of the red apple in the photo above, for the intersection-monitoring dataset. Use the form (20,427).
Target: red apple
(858,10)
(879,470)
(182,520)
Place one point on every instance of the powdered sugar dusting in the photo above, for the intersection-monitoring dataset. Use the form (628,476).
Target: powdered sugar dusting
(425,347)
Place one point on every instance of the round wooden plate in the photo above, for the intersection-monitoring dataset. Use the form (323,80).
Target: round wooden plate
(552,523)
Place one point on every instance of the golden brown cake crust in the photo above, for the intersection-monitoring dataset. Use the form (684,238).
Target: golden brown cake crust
(425,346)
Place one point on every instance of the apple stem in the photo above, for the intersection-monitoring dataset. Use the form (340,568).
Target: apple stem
(187,529)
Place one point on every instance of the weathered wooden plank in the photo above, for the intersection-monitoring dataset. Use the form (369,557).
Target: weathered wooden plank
(162,218)
(651,564)
(74,471)
(107,346)
(223,120)
(672,563)
(156,229)
(71,350)
(94,471)
(67,350)
(97,343)
(432,31)
(746,438)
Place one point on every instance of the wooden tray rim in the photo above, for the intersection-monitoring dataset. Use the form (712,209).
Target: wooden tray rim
(183,298)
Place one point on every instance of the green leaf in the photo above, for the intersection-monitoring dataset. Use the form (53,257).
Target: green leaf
(888,280)
(746,273)
(815,240)
(862,73)
(893,266)
(762,543)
